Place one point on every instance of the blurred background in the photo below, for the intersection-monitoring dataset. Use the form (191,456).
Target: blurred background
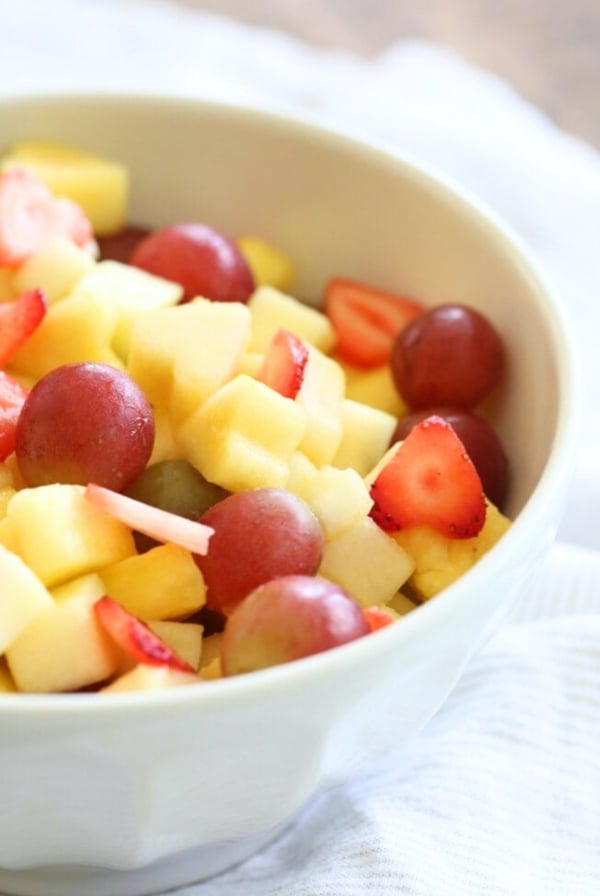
(549,50)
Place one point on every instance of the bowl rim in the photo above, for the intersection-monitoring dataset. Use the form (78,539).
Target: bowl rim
(555,475)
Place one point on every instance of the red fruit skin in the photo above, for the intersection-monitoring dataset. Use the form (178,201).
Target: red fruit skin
(203,260)
(376,618)
(119,246)
(284,363)
(134,637)
(286,619)
(430,480)
(18,320)
(12,399)
(366,320)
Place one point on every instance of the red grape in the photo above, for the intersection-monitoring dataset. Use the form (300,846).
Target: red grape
(119,246)
(449,355)
(481,443)
(288,618)
(259,535)
(203,260)
(84,423)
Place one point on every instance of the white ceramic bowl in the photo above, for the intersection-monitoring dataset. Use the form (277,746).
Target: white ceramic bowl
(130,794)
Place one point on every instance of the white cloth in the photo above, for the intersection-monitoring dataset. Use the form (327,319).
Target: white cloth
(500,794)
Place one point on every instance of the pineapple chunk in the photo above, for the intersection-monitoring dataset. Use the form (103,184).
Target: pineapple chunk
(338,498)
(367,563)
(268,265)
(366,434)
(321,395)
(374,387)
(210,661)
(100,186)
(401,604)
(78,328)
(439,560)
(24,597)
(131,291)
(8,535)
(163,583)
(184,639)
(6,494)
(165,444)
(65,649)
(55,269)
(150,678)
(244,435)
(61,535)
(180,356)
(272,309)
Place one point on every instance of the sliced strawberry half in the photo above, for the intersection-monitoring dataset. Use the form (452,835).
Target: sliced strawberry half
(12,398)
(18,320)
(152,521)
(377,618)
(430,480)
(366,320)
(284,362)
(31,216)
(135,637)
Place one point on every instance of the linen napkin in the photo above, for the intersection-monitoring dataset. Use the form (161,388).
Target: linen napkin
(500,793)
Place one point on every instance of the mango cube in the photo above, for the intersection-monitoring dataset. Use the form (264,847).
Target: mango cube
(55,269)
(244,435)
(272,309)
(24,597)
(61,535)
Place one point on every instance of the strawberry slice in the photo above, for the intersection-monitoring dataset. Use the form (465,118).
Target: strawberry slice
(376,618)
(366,320)
(18,320)
(284,362)
(152,521)
(31,216)
(430,480)
(12,398)
(135,637)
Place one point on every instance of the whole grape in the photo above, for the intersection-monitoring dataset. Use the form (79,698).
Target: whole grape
(203,260)
(448,355)
(84,423)
(286,619)
(259,534)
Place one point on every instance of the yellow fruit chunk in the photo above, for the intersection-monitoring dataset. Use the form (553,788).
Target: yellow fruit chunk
(55,269)
(24,597)
(61,535)
(6,493)
(367,563)
(7,685)
(131,291)
(99,185)
(244,435)
(366,433)
(78,328)
(210,661)
(184,639)
(374,387)
(272,309)
(150,678)
(165,445)
(268,264)
(180,356)
(338,498)
(321,396)
(7,287)
(163,583)
(8,535)
(401,604)
(65,649)
(439,560)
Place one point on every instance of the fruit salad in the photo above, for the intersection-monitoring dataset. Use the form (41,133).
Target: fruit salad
(200,475)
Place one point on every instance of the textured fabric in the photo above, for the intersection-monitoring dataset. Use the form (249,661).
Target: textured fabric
(500,794)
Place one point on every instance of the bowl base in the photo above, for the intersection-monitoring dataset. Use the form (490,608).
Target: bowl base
(185,868)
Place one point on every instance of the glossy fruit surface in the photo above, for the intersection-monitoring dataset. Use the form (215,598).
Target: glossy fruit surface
(119,246)
(18,320)
(203,260)
(286,619)
(481,442)
(83,423)
(284,363)
(259,535)
(449,355)
(12,399)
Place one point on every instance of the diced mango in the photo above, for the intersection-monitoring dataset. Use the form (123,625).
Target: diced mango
(63,650)
(269,266)
(272,309)
(244,435)
(99,185)
(321,395)
(24,597)
(61,535)
(163,583)
(55,269)
(366,433)
(184,639)
(441,561)
(367,563)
